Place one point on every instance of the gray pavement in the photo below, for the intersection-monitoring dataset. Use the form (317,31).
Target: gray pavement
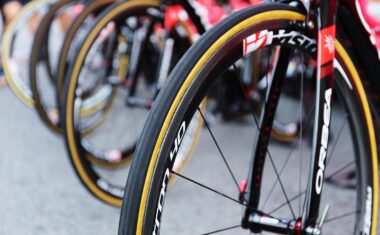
(40,193)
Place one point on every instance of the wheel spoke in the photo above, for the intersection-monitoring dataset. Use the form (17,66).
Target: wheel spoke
(285,203)
(219,149)
(206,187)
(336,141)
(223,229)
(219,193)
(286,161)
(340,170)
(282,186)
(327,178)
(341,216)
(303,192)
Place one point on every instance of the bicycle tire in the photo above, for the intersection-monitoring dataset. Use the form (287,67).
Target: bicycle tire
(39,51)
(93,7)
(151,168)
(17,84)
(78,157)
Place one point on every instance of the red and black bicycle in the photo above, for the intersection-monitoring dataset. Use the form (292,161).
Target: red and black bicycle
(250,183)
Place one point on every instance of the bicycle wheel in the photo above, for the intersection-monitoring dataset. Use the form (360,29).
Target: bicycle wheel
(46,102)
(103,73)
(41,66)
(113,143)
(16,49)
(92,9)
(208,194)
(48,109)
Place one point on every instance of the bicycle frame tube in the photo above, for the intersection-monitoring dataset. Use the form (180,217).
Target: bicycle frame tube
(325,21)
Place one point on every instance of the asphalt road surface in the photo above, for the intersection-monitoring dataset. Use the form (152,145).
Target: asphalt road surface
(40,193)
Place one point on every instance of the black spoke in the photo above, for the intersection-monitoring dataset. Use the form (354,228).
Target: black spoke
(341,216)
(219,149)
(340,170)
(206,187)
(303,192)
(219,193)
(223,229)
(285,203)
(336,141)
(327,178)
(287,160)
(282,186)
(275,183)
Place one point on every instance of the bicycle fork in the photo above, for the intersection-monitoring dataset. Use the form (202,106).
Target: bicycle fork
(307,222)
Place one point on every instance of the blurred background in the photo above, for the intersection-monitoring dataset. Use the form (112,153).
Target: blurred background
(40,192)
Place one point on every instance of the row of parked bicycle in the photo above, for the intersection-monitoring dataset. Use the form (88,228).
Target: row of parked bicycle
(93,69)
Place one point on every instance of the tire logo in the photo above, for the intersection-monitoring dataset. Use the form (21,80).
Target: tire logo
(177,141)
(256,41)
(161,202)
